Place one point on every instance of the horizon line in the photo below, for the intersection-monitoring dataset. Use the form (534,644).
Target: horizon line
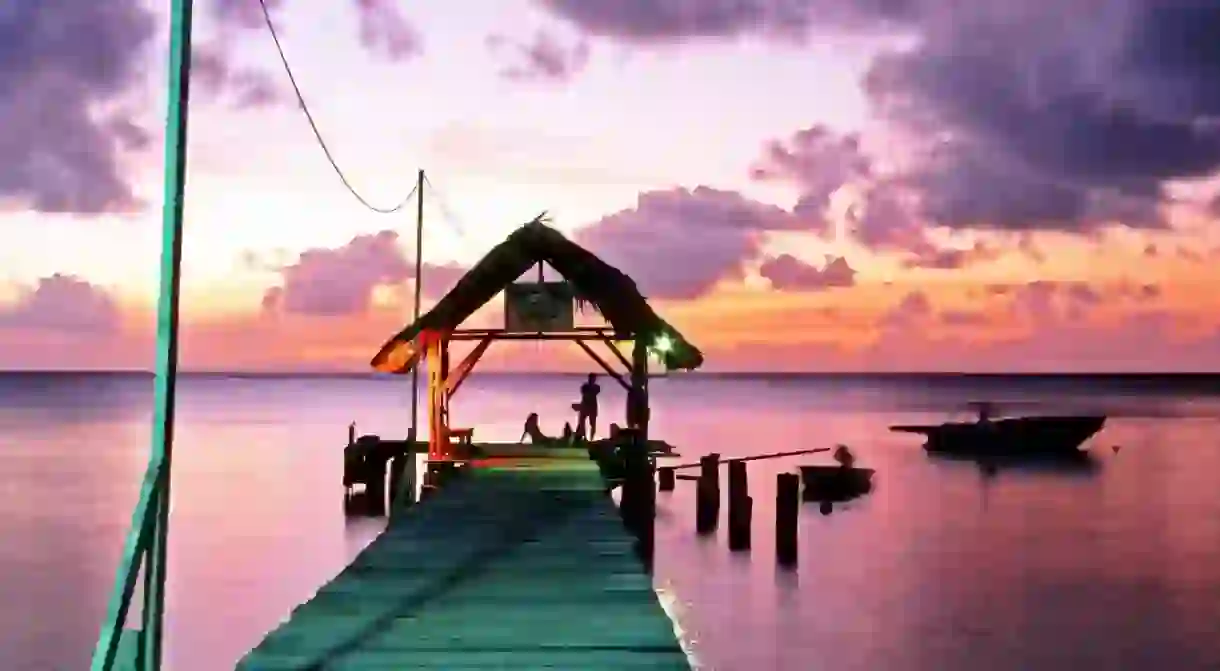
(676,375)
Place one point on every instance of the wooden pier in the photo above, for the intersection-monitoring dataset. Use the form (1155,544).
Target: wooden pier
(518,563)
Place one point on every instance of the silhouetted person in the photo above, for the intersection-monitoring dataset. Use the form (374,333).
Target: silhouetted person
(588,408)
(844,456)
(534,431)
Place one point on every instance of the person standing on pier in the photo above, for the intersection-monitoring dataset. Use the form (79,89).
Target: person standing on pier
(588,407)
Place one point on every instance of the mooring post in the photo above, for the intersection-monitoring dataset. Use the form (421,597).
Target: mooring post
(707,494)
(740,518)
(637,507)
(740,506)
(375,485)
(665,478)
(403,475)
(397,465)
(351,434)
(787,505)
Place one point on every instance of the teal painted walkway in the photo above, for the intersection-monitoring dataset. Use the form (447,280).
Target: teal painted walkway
(525,567)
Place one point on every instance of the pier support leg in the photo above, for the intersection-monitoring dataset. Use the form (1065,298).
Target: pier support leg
(638,505)
(665,479)
(787,505)
(637,396)
(707,494)
(375,486)
(740,506)
(403,476)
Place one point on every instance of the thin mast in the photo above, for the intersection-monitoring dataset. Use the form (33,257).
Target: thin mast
(419,272)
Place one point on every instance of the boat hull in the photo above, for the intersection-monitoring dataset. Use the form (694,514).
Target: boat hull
(835,483)
(1016,436)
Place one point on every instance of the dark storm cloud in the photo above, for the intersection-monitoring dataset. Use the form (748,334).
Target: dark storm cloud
(1056,115)
(1036,115)
(62,64)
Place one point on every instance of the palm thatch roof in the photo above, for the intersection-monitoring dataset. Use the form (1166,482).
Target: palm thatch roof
(592,280)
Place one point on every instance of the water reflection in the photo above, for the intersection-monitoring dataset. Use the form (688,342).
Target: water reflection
(1116,570)
(1083,465)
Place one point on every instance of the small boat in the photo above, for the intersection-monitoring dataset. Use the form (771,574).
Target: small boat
(1016,436)
(835,483)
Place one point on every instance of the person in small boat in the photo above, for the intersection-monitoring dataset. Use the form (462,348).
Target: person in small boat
(587,410)
(844,457)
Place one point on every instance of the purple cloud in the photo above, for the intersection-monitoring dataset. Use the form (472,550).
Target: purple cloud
(1050,116)
(544,58)
(670,21)
(788,273)
(64,303)
(1033,116)
(61,64)
(340,282)
(386,32)
(678,243)
(820,162)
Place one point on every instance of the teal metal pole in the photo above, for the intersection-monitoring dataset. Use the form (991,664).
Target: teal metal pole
(146,541)
(179,89)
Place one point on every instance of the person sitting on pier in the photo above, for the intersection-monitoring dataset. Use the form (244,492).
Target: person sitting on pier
(537,437)
(534,431)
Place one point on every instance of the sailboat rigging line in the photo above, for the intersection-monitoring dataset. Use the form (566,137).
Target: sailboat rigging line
(314,126)
(443,205)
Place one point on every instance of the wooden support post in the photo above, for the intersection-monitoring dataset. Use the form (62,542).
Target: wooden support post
(707,494)
(787,505)
(459,374)
(438,434)
(665,479)
(740,506)
(403,476)
(375,486)
(638,505)
(637,396)
(739,485)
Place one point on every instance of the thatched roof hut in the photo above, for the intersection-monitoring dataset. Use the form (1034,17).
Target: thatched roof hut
(593,281)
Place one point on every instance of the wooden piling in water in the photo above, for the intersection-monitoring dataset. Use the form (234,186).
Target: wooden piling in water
(740,506)
(787,505)
(740,518)
(707,494)
(665,478)
(375,485)
(739,485)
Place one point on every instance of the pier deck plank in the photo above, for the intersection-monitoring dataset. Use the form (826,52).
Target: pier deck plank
(522,565)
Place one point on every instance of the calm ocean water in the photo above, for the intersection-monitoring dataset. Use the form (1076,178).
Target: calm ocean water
(938,570)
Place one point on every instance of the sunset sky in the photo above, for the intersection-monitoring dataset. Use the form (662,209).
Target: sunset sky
(902,185)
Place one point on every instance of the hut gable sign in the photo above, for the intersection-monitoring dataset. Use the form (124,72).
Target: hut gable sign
(539,306)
